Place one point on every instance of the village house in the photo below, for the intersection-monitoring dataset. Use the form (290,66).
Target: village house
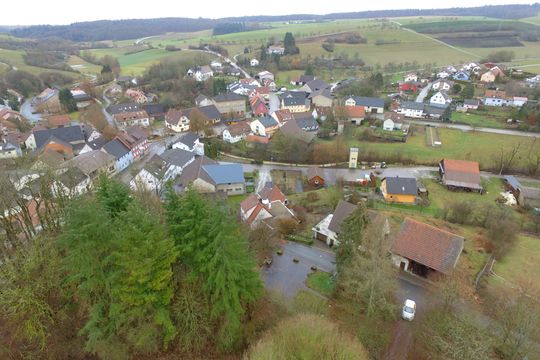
(442,85)
(471,104)
(216,65)
(202,100)
(258,106)
(302,80)
(124,107)
(176,120)
(263,75)
(411,109)
(135,139)
(47,102)
(275,50)
(151,177)
(9,149)
(355,114)
(423,249)
(264,126)
(314,85)
(371,105)
(266,207)
(254,62)
(389,125)
(460,174)
(134,118)
(411,77)
(315,176)
(190,142)
(321,98)
(488,77)
(236,132)
(94,163)
(306,121)
(495,98)
(295,101)
(230,104)
(137,96)
(443,74)
(328,229)
(282,116)
(71,182)
(201,73)
(207,176)
(176,161)
(399,190)
(440,99)
(122,154)
(518,101)
(525,196)
(461,76)
(69,139)
(437,112)
(410,86)
(292,130)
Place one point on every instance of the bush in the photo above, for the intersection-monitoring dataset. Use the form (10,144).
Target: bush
(287,226)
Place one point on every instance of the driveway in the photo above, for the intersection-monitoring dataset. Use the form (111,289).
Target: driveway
(423,93)
(287,277)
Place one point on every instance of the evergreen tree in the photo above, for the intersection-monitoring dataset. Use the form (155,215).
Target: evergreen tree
(215,253)
(289,44)
(66,99)
(114,195)
(263,56)
(468,91)
(309,70)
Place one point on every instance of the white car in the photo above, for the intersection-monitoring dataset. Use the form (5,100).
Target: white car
(409,310)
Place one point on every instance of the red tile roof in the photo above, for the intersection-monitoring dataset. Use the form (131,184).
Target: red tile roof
(257,139)
(428,245)
(272,194)
(249,203)
(353,111)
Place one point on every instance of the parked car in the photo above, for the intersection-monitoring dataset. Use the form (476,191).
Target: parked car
(409,310)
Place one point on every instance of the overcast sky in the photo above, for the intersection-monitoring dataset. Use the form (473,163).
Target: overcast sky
(63,12)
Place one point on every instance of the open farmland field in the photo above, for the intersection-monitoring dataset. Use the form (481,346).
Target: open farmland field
(523,259)
(456,144)
(15,59)
(82,66)
(137,63)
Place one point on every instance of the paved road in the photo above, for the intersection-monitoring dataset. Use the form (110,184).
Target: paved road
(331,174)
(104,107)
(423,93)
(27,111)
(479,129)
(287,277)
(273,103)
(227,60)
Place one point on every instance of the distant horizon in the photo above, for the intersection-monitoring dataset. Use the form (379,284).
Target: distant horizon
(42,13)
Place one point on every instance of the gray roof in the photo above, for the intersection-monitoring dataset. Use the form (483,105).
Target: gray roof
(229,97)
(91,161)
(369,101)
(412,105)
(268,121)
(194,171)
(317,84)
(177,157)
(125,107)
(225,173)
(305,121)
(475,102)
(116,149)
(306,78)
(292,129)
(97,143)
(189,139)
(156,166)
(512,181)
(210,111)
(68,134)
(401,186)
(436,110)
(322,92)
(155,109)
(72,177)
(343,210)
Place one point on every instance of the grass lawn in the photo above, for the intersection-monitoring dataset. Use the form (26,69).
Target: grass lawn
(321,282)
(83,66)
(456,144)
(15,58)
(308,302)
(522,262)
(234,201)
(487,117)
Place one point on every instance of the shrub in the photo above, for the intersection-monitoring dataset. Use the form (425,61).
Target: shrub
(287,226)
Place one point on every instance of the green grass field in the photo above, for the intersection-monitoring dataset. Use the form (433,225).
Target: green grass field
(488,117)
(15,59)
(408,46)
(456,144)
(82,66)
(523,259)
(321,282)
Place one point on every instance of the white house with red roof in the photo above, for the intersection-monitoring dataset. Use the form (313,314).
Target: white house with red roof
(269,204)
